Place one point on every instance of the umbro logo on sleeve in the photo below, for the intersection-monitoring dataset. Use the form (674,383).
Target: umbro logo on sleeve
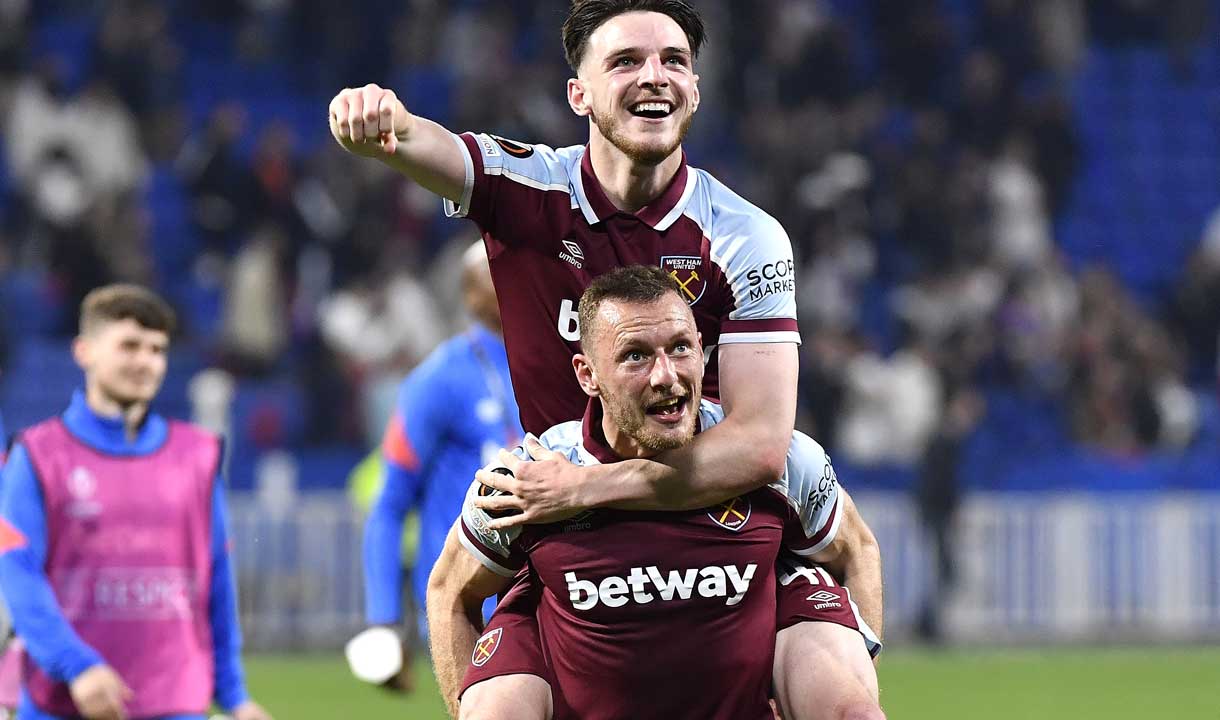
(572,254)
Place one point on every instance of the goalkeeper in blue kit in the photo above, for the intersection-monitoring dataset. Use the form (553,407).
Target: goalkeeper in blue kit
(453,412)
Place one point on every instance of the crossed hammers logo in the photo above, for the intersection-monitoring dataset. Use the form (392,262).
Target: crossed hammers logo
(694,275)
(484,648)
(730,508)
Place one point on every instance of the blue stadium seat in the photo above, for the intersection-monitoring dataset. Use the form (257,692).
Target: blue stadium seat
(1142,214)
(71,41)
(38,382)
(874,477)
(326,467)
(31,305)
(174,243)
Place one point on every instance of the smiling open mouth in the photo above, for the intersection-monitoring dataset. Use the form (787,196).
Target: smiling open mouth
(667,410)
(653,109)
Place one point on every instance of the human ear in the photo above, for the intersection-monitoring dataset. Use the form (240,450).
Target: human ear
(577,98)
(585,375)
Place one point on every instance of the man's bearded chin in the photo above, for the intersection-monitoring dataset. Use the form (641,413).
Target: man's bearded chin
(630,419)
(661,443)
(645,154)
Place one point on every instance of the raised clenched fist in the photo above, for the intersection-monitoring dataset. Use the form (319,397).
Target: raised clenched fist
(368,121)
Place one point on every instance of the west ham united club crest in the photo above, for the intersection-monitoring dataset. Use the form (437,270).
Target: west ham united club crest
(732,515)
(686,270)
(486,647)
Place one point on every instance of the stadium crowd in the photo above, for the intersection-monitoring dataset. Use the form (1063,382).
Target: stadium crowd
(920,154)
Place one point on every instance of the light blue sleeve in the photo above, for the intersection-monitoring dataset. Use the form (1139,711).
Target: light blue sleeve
(812,488)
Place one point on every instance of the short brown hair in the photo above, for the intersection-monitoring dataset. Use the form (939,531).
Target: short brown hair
(123,301)
(633,283)
(586,16)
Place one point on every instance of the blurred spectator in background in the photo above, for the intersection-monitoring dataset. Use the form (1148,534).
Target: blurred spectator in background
(1034,326)
(1195,309)
(1127,391)
(892,405)
(1021,227)
(136,53)
(938,495)
(93,127)
(917,42)
(1059,29)
(379,330)
(255,326)
(219,179)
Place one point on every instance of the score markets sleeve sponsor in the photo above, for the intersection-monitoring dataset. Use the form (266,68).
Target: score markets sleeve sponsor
(812,488)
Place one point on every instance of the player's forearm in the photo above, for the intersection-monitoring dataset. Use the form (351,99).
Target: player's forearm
(37,617)
(854,558)
(453,630)
(230,683)
(382,553)
(50,639)
(428,154)
(863,577)
(858,567)
(456,590)
(738,455)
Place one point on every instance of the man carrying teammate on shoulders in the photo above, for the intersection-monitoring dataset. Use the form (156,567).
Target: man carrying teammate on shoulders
(554,219)
(695,603)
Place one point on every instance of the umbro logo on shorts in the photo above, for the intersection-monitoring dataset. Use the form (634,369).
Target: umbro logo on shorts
(823,599)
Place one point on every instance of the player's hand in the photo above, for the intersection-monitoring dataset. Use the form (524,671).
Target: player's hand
(100,694)
(250,710)
(543,491)
(369,121)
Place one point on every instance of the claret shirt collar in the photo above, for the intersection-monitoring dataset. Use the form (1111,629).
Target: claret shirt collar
(659,214)
(594,440)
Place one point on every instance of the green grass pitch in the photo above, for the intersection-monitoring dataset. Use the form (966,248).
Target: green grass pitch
(1075,684)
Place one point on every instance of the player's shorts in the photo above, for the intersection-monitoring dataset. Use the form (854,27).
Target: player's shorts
(510,643)
(805,592)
